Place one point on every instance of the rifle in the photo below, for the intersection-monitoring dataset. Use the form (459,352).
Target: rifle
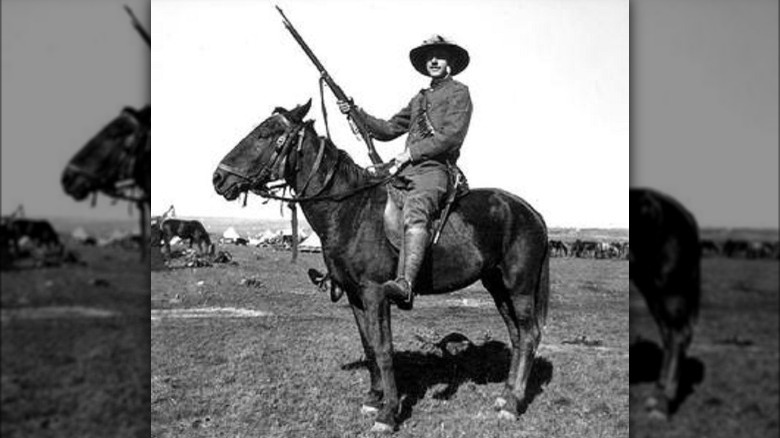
(353,115)
(137,25)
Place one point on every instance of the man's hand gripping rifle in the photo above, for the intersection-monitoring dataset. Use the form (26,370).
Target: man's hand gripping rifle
(353,115)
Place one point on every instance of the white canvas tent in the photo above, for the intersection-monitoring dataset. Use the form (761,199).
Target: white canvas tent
(80,234)
(311,244)
(230,235)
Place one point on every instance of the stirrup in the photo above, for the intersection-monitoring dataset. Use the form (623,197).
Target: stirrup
(402,287)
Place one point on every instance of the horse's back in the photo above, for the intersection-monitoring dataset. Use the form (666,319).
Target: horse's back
(498,214)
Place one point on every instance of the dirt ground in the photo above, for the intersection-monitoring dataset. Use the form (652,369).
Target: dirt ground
(75,348)
(731,374)
(255,350)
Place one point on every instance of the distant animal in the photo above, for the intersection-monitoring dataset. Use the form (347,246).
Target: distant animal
(625,250)
(558,249)
(190,230)
(491,235)
(616,250)
(39,232)
(759,250)
(8,245)
(710,248)
(584,248)
(665,268)
(605,250)
(734,248)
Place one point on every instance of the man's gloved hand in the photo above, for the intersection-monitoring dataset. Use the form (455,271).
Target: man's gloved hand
(403,158)
(383,170)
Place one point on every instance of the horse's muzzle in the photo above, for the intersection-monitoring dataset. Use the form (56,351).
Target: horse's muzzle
(75,184)
(227,185)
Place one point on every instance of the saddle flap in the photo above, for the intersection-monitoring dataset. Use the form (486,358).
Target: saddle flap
(394,219)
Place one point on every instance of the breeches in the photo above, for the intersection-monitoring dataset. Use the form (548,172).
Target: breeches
(423,200)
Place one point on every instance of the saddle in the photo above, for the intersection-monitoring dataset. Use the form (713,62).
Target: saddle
(396,193)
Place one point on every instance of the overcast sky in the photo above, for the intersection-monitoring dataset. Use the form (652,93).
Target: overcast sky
(705,106)
(549,81)
(68,68)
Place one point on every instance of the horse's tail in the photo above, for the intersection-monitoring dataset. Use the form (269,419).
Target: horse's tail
(542,298)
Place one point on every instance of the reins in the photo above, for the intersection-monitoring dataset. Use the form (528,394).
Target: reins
(282,151)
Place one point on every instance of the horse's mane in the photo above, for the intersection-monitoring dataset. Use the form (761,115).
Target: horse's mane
(353,174)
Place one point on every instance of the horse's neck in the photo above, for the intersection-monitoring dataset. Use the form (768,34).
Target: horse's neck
(347,177)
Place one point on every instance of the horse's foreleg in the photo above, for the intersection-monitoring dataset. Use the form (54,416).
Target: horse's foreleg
(373,399)
(381,339)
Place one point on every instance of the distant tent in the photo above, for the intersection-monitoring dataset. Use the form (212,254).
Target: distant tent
(267,236)
(311,244)
(230,235)
(80,234)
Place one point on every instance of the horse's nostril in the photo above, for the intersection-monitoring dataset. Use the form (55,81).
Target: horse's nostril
(217,178)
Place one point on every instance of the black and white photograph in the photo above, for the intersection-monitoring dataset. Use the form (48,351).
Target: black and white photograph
(391,218)
(76,192)
(704,219)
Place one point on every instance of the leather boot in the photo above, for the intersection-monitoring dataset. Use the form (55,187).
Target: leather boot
(400,290)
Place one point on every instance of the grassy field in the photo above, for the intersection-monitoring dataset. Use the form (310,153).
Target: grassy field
(295,367)
(75,348)
(732,369)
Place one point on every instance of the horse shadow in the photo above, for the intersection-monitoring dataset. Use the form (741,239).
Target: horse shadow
(645,359)
(417,372)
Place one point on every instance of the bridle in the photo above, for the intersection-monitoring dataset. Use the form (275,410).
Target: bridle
(278,158)
(283,146)
(130,154)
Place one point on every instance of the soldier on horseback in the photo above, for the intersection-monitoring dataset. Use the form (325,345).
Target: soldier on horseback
(436,121)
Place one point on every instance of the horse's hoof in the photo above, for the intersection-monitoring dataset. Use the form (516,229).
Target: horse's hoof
(382,428)
(368,410)
(503,414)
(499,404)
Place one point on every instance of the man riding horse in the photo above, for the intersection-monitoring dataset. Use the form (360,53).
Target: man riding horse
(436,121)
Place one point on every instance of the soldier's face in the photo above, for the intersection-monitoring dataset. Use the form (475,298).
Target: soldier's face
(437,64)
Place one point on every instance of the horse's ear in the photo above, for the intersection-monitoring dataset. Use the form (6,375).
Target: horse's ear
(300,111)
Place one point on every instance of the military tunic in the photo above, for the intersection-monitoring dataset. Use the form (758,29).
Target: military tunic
(436,121)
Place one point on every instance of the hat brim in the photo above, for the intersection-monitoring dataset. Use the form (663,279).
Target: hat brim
(458,57)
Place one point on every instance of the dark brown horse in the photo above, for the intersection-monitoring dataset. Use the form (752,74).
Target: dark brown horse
(116,162)
(665,268)
(193,231)
(491,236)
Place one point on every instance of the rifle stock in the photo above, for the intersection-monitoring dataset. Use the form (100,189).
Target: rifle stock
(363,130)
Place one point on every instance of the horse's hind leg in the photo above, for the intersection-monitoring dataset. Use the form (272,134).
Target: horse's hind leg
(516,306)
(676,331)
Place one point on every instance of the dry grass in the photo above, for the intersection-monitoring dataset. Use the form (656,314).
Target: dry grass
(77,376)
(733,361)
(300,372)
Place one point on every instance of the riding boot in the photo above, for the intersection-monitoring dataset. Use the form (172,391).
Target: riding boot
(400,290)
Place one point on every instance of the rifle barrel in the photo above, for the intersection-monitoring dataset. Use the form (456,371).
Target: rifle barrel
(337,91)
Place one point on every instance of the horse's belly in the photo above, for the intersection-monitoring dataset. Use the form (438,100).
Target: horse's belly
(454,262)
